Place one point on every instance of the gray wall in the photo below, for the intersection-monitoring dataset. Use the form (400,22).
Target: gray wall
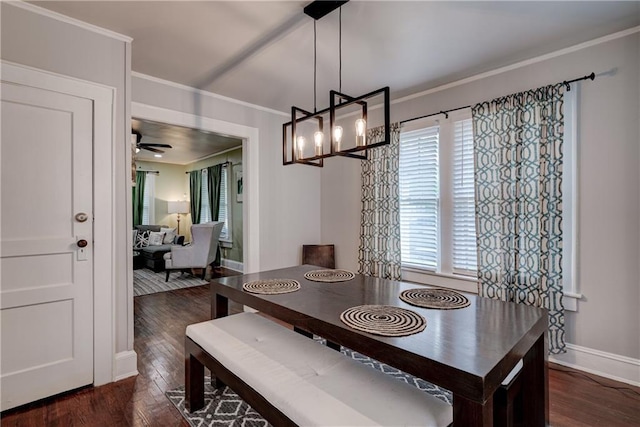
(609,201)
(288,198)
(48,44)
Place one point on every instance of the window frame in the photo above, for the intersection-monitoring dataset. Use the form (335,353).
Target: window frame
(149,199)
(444,273)
(570,189)
(570,199)
(205,210)
(427,123)
(226,176)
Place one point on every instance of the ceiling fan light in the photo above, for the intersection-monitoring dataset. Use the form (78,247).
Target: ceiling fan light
(157,155)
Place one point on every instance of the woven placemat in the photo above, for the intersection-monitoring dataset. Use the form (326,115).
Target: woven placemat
(271,286)
(385,320)
(442,299)
(329,275)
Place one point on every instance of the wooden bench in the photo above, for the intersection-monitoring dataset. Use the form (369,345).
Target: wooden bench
(292,380)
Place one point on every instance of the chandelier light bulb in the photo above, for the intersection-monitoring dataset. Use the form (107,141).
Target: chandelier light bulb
(337,137)
(300,146)
(361,127)
(318,137)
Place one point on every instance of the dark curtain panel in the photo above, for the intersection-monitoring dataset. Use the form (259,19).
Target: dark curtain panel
(214,175)
(195,190)
(138,197)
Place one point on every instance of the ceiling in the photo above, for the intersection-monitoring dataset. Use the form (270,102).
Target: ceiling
(261,52)
(188,145)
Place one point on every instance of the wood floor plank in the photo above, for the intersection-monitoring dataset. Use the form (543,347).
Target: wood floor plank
(576,399)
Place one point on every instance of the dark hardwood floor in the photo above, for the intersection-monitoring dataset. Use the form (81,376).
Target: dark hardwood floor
(576,399)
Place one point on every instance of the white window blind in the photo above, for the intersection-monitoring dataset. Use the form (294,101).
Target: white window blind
(464,222)
(148,203)
(419,194)
(205,210)
(223,211)
(437,197)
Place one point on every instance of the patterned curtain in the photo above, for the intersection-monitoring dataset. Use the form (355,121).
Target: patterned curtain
(195,191)
(214,177)
(518,176)
(138,197)
(379,254)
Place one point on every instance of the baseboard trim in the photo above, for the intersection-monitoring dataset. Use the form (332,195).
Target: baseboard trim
(233,265)
(126,365)
(608,365)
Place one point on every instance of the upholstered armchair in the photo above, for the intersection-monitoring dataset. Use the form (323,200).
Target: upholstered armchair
(200,253)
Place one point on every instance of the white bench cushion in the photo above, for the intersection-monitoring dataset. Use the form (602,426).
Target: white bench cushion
(310,383)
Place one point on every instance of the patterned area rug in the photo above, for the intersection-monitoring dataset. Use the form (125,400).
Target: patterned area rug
(146,282)
(225,408)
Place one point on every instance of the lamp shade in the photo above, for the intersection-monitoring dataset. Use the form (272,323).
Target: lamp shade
(179,207)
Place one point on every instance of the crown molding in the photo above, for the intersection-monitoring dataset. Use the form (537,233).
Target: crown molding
(207,93)
(526,62)
(67,19)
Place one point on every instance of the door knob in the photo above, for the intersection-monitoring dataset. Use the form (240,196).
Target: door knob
(81,243)
(81,217)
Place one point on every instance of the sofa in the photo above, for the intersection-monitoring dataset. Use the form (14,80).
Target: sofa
(151,255)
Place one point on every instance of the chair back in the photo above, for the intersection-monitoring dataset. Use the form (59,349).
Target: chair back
(320,255)
(205,239)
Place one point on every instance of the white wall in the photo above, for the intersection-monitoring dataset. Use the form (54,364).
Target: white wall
(39,41)
(288,196)
(609,207)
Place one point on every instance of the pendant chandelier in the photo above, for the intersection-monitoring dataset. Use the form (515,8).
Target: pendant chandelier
(307,140)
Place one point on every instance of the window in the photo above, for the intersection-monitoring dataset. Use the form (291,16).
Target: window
(148,204)
(205,210)
(419,197)
(437,219)
(223,206)
(465,257)
(223,212)
(437,201)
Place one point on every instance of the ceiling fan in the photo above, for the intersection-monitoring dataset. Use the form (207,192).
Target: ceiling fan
(148,146)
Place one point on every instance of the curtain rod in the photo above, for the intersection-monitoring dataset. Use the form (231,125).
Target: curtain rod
(567,83)
(154,172)
(223,164)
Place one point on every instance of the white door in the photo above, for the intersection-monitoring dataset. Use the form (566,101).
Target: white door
(46,288)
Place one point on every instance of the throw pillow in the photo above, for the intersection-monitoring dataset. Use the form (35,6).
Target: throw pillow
(142,239)
(156,238)
(170,235)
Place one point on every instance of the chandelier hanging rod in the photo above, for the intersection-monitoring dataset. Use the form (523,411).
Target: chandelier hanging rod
(332,140)
(320,8)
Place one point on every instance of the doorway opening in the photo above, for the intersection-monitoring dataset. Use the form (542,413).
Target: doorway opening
(167,201)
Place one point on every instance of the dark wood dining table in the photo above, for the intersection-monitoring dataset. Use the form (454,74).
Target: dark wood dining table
(468,351)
